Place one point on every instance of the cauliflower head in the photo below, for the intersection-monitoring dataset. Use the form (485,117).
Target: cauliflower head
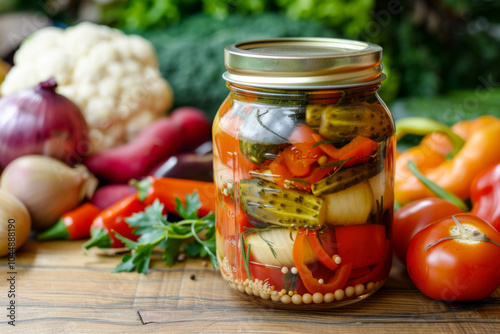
(112,77)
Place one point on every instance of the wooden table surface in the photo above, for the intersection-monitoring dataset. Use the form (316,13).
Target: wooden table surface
(59,289)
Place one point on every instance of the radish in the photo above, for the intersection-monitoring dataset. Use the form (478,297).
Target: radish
(155,143)
(194,124)
(108,195)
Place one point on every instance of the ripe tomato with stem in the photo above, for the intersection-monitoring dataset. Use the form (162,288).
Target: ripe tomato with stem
(456,258)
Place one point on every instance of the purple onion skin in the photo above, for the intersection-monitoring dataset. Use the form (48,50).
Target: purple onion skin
(39,121)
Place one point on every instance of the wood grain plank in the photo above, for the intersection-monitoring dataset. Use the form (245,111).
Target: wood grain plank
(60,289)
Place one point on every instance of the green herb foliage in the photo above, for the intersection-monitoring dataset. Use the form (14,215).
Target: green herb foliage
(157,232)
(246,256)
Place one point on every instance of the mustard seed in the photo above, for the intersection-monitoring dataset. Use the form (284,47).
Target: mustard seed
(317,298)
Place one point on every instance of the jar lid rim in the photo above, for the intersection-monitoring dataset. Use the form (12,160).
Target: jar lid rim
(303,62)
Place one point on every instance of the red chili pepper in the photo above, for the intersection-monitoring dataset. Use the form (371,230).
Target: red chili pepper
(485,196)
(111,221)
(73,225)
(166,190)
(337,281)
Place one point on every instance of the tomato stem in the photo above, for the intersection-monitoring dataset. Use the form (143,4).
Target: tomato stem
(465,235)
(442,239)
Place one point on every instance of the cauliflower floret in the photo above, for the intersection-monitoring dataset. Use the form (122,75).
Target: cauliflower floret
(112,77)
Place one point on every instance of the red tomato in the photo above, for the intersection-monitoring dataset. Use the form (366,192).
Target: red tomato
(413,217)
(454,269)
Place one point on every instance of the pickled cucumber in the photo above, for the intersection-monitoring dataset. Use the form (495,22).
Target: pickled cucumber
(347,177)
(313,114)
(349,121)
(284,207)
(256,152)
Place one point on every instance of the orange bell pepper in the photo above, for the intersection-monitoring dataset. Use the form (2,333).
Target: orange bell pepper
(479,151)
(430,153)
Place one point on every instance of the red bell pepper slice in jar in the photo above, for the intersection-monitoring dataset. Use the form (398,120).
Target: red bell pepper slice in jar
(275,277)
(375,271)
(296,160)
(361,245)
(357,150)
(301,154)
(320,252)
(337,281)
(280,171)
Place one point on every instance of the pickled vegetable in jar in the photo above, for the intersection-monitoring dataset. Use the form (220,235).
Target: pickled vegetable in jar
(303,163)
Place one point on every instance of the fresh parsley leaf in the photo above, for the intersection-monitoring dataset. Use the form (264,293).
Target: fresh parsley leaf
(152,236)
(127,264)
(129,243)
(189,211)
(140,251)
(155,231)
(139,259)
(171,249)
(193,249)
(148,219)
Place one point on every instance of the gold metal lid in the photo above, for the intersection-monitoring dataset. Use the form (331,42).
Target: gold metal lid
(303,63)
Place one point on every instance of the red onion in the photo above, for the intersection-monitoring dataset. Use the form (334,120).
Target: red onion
(39,121)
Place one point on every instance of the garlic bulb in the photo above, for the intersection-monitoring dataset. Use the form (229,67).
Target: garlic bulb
(15,223)
(47,186)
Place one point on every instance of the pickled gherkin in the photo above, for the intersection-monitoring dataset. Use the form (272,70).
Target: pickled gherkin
(285,207)
(347,177)
(257,152)
(313,114)
(341,122)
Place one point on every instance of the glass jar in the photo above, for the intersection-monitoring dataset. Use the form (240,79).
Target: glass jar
(303,163)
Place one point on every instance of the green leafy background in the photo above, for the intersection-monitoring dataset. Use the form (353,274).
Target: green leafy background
(438,55)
